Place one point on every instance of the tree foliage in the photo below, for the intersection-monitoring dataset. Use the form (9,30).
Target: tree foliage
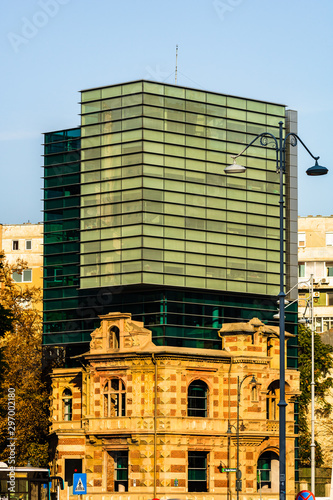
(323,365)
(22,370)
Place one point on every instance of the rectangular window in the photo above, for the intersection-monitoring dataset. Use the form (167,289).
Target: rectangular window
(323,324)
(301,239)
(301,269)
(117,471)
(318,327)
(24,276)
(15,245)
(28,244)
(329,268)
(329,299)
(326,324)
(197,471)
(329,239)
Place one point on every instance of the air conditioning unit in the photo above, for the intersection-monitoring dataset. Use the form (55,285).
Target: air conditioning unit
(316,294)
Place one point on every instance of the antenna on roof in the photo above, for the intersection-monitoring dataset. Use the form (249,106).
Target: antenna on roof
(176,64)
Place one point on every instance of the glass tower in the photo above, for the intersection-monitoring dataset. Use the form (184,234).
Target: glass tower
(140,216)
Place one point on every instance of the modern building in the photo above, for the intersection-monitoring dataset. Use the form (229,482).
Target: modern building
(315,257)
(24,242)
(149,421)
(140,216)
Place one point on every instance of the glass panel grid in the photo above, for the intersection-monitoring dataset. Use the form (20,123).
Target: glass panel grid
(164,138)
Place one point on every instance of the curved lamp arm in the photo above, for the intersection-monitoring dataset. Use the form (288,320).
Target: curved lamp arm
(263,141)
(294,143)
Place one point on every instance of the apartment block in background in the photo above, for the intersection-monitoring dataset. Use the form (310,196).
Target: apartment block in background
(315,257)
(24,241)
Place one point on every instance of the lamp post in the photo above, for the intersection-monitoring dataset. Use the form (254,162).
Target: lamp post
(313,443)
(313,384)
(280,143)
(238,471)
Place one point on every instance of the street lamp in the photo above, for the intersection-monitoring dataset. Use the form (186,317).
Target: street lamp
(280,148)
(313,443)
(238,471)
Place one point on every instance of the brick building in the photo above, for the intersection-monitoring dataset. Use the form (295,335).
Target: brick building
(146,421)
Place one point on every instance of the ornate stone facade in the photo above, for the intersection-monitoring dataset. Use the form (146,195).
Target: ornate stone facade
(146,421)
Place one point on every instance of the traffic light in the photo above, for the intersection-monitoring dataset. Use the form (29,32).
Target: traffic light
(238,485)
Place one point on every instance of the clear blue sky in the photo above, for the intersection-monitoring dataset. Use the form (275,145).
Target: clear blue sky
(278,51)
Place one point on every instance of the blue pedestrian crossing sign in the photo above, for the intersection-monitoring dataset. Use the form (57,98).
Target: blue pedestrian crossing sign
(305,495)
(79,484)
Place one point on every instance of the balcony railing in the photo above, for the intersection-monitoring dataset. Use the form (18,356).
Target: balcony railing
(190,425)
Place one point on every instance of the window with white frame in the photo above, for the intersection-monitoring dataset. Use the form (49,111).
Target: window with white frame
(322,324)
(15,245)
(301,239)
(329,268)
(317,269)
(301,269)
(28,244)
(24,276)
(329,239)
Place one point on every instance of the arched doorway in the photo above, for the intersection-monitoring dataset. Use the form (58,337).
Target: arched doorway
(268,472)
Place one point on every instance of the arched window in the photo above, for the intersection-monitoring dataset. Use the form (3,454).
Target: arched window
(254,393)
(114,337)
(272,399)
(114,398)
(197,399)
(268,472)
(67,405)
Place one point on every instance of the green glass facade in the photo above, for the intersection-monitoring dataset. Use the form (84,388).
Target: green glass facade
(156,206)
(163,232)
(61,233)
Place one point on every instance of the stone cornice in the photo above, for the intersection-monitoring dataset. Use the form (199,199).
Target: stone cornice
(65,372)
(111,368)
(220,357)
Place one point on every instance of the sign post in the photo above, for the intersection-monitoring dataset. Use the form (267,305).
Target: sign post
(79,483)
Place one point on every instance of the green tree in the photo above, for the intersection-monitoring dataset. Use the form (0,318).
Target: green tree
(22,371)
(323,364)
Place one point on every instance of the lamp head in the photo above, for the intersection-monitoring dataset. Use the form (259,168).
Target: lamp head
(253,380)
(235,168)
(303,321)
(317,170)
